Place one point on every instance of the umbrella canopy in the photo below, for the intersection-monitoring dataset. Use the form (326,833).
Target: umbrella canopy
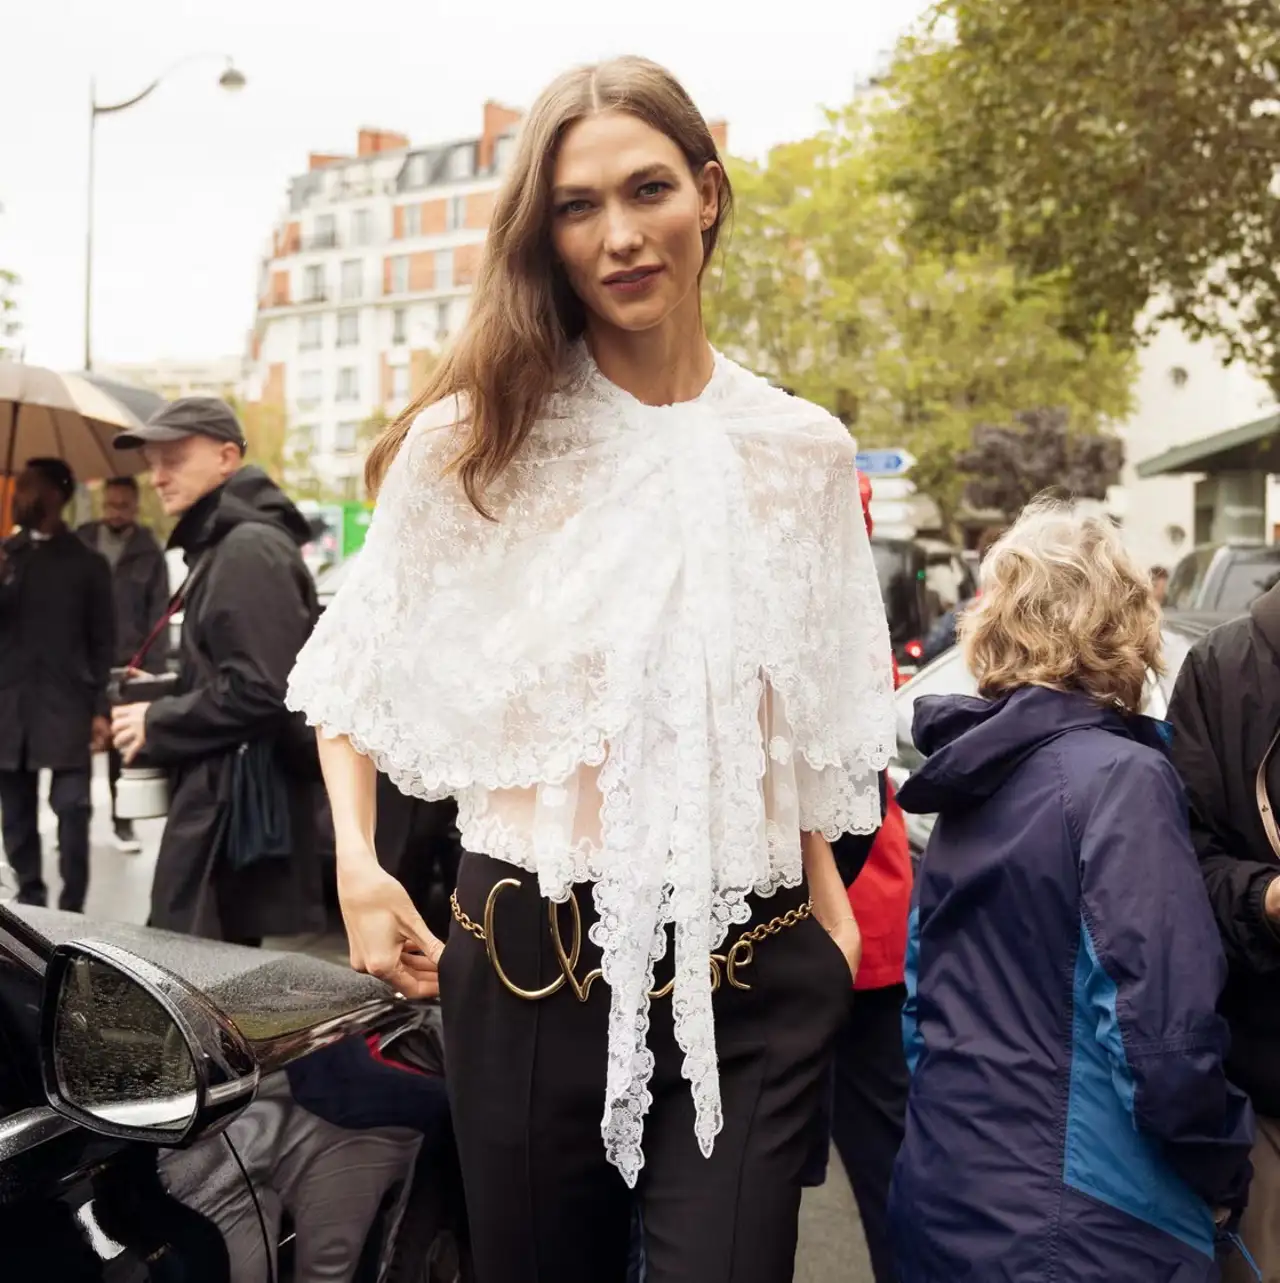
(142,401)
(44,414)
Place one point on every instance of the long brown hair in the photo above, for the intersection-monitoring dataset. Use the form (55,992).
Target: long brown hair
(524,316)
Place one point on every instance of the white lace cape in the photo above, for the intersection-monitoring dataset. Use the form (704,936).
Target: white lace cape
(665,659)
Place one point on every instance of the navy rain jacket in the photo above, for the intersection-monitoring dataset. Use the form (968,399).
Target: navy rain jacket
(1069,1118)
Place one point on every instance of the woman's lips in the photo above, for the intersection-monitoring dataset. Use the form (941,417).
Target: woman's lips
(635,281)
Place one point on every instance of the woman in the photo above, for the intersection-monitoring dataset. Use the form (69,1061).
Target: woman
(1068,1115)
(618,600)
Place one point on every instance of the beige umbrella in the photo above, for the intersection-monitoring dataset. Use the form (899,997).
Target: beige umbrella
(44,414)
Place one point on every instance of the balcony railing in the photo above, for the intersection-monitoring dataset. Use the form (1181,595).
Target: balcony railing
(321,240)
(314,296)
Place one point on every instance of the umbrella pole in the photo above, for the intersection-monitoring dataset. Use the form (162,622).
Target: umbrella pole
(6,507)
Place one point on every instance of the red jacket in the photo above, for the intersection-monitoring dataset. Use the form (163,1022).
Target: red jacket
(881,895)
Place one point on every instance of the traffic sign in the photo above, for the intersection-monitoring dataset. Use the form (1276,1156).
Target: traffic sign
(885,463)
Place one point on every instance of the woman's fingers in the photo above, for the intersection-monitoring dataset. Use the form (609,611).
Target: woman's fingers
(420,936)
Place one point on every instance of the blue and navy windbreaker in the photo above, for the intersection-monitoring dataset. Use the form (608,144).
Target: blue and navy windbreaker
(1069,1119)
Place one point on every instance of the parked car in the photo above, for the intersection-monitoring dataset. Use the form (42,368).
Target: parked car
(1222,579)
(174,1108)
(902,568)
(950,675)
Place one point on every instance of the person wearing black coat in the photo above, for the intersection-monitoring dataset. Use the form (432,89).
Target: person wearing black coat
(56,637)
(140,584)
(248,606)
(1225,713)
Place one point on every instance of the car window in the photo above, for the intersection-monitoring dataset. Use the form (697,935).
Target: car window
(19,1035)
(1244,579)
(1187,578)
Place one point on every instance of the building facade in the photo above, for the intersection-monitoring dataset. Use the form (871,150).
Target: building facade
(220,376)
(367,275)
(1183,394)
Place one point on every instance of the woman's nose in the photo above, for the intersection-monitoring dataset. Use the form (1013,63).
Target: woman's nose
(622,232)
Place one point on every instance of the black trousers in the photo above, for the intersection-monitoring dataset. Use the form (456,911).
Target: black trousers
(69,796)
(870,1109)
(527,1082)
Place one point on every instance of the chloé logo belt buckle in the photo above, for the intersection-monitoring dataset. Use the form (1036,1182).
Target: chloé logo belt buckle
(740,954)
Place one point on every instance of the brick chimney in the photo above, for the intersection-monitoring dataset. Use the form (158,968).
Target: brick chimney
(323,159)
(498,120)
(373,141)
(720,134)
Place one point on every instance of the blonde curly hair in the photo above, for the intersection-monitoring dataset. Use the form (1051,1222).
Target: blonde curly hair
(1063,605)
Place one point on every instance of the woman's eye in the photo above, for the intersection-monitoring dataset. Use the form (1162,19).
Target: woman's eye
(647,191)
(572,207)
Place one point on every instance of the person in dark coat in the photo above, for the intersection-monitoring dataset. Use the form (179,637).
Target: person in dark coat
(248,609)
(1069,1114)
(56,638)
(1226,715)
(140,583)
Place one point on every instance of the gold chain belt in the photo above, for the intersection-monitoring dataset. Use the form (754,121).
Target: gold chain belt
(740,954)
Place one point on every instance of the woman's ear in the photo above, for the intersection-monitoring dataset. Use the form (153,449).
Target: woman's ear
(709,182)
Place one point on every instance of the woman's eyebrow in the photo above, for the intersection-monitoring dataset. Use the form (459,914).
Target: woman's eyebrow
(644,174)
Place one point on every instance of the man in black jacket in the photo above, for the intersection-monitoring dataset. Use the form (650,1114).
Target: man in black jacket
(1226,714)
(248,607)
(140,583)
(55,659)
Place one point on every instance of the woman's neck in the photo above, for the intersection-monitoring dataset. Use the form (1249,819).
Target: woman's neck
(670,363)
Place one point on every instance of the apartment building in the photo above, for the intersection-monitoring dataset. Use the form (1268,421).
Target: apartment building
(172,378)
(367,274)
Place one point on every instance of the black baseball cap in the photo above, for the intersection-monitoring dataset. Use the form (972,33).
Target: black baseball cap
(189,416)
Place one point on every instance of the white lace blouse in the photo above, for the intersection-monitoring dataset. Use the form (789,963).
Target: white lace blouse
(665,659)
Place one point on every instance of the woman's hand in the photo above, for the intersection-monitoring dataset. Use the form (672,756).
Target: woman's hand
(848,937)
(386,934)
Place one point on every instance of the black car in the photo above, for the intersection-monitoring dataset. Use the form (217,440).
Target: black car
(181,1109)
(902,568)
(949,675)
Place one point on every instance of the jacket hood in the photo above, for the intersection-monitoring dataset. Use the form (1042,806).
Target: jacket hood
(248,497)
(973,745)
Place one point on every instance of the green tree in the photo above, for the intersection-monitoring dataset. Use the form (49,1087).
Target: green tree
(1129,145)
(821,289)
(10,327)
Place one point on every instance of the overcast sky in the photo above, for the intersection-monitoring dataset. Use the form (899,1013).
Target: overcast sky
(190,182)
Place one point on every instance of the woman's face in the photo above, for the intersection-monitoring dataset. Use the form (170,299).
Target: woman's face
(628,219)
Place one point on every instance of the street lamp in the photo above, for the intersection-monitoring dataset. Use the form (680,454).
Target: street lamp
(231,79)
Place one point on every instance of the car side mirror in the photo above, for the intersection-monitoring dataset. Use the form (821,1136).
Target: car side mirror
(129,1050)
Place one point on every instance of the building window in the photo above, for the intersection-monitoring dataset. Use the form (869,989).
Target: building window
(313,284)
(348,329)
(503,151)
(399,327)
(352,278)
(457,216)
(444,269)
(326,232)
(413,220)
(461,161)
(417,175)
(347,438)
(398,277)
(310,388)
(361,227)
(311,335)
(349,383)
(399,383)
(442,320)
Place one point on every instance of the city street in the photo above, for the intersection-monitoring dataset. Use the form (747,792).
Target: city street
(831,1248)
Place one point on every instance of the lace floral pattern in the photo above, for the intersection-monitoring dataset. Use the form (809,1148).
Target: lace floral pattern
(665,659)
